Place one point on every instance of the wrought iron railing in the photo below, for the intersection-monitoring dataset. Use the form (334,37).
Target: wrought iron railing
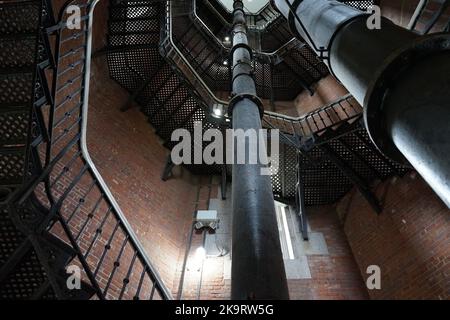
(82,210)
(265,56)
(172,52)
(343,110)
(256,21)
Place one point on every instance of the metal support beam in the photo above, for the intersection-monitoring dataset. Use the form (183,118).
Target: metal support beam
(300,202)
(353,176)
(257,268)
(400,78)
(167,173)
(223,187)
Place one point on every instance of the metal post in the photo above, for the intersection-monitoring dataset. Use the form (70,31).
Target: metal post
(257,268)
(402,80)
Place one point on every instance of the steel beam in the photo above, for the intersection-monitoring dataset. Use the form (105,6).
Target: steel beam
(402,80)
(257,268)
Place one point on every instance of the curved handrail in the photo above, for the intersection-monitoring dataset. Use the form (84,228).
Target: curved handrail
(300,118)
(268,55)
(87,157)
(227,10)
(212,96)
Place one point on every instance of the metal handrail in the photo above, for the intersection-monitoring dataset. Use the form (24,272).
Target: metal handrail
(212,96)
(198,79)
(301,118)
(268,55)
(86,156)
(313,123)
(226,9)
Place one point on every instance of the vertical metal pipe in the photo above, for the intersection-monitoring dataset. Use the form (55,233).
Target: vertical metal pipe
(402,80)
(257,265)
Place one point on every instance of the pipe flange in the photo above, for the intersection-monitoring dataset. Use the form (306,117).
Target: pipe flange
(374,102)
(239,97)
(241,45)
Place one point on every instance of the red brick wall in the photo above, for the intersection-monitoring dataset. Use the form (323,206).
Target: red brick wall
(131,159)
(326,91)
(409,240)
(401,11)
(334,276)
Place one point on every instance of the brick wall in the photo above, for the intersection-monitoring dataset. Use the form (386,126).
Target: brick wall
(401,11)
(334,276)
(131,159)
(409,240)
(326,91)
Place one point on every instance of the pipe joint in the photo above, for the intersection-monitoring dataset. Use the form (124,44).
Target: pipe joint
(378,110)
(236,98)
(241,45)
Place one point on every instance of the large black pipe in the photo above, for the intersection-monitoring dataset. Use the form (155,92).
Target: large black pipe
(257,261)
(400,78)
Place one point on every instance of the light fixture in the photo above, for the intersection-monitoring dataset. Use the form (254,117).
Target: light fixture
(217,110)
(225,62)
(196,262)
(200,254)
(206,219)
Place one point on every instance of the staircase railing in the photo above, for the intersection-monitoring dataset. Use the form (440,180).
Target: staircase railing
(267,56)
(172,52)
(250,25)
(435,15)
(332,115)
(82,209)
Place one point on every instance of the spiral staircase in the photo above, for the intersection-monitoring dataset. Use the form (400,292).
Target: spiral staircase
(57,212)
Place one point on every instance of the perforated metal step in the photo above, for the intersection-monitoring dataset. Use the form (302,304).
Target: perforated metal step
(324,183)
(19,26)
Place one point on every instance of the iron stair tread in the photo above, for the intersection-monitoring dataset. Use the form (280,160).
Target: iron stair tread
(25,278)
(13,163)
(16,89)
(11,237)
(46,292)
(133,33)
(133,19)
(19,17)
(133,26)
(13,126)
(133,39)
(130,3)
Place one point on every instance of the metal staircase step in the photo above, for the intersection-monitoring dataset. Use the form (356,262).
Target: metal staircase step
(135,25)
(131,39)
(46,292)
(16,89)
(12,167)
(146,10)
(11,237)
(25,278)
(17,53)
(18,17)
